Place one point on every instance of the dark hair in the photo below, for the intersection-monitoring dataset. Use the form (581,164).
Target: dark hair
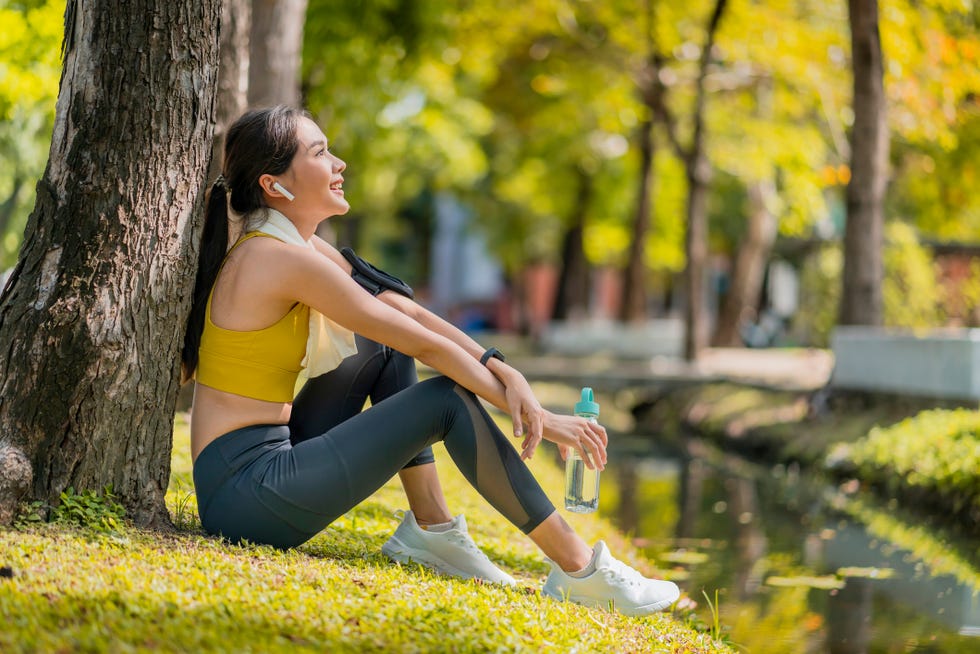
(263,141)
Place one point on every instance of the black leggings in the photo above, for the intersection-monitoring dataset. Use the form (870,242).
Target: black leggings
(256,484)
(375,372)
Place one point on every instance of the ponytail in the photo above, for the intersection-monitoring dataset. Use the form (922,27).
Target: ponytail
(261,141)
(214,244)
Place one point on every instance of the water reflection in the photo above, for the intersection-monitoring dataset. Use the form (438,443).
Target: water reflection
(799,566)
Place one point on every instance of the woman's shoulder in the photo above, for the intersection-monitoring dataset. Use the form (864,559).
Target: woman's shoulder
(285,261)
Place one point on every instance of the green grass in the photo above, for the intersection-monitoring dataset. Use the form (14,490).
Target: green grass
(128,590)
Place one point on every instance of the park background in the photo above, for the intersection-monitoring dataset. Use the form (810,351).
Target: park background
(679,175)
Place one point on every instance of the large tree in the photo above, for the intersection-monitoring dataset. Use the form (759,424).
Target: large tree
(91,320)
(861,302)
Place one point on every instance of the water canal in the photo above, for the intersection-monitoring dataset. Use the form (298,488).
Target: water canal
(800,565)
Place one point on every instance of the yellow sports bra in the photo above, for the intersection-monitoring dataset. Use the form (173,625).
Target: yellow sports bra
(262,364)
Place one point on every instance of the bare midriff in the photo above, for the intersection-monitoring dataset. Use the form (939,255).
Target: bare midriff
(215,413)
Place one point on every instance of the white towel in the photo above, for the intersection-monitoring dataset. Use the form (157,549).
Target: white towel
(329,343)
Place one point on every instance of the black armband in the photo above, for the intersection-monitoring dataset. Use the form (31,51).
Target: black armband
(491,353)
(373,279)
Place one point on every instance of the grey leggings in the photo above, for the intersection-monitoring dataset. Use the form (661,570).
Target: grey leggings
(256,484)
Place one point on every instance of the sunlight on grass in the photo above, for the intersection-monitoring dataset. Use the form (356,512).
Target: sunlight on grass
(79,590)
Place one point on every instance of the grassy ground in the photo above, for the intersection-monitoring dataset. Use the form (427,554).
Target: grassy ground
(68,588)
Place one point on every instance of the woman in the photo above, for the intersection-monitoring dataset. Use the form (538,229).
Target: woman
(273,470)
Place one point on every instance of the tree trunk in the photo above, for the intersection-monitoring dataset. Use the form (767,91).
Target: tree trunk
(92,322)
(276,52)
(633,306)
(861,302)
(696,248)
(750,265)
(748,271)
(572,298)
(232,100)
(699,173)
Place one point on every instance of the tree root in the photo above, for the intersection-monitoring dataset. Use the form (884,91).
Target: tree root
(16,476)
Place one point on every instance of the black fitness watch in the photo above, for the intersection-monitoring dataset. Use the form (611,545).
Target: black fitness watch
(492,352)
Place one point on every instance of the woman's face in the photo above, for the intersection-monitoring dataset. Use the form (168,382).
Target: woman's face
(314,177)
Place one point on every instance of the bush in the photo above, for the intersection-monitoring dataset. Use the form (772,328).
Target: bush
(912,296)
(937,452)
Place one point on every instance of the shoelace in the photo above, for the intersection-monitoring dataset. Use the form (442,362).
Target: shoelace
(463,539)
(624,573)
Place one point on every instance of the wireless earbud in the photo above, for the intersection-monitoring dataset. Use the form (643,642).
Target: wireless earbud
(279,187)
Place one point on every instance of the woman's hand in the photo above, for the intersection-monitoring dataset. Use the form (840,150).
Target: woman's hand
(576,433)
(568,432)
(524,409)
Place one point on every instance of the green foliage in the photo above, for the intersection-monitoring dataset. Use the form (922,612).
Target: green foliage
(30,67)
(820,288)
(935,451)
(30,514)
(911,293)
(90,509)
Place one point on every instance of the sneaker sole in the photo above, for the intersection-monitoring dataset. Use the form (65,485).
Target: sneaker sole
(395,550)
(632,611)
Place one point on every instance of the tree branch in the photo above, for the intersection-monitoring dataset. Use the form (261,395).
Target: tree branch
(699,102)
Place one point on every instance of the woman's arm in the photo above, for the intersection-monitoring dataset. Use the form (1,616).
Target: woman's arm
(422,335)
(506,374)
(522,405)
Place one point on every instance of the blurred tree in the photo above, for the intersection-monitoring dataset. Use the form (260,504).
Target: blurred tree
(911,294)
(861,296)
(30,63)
(275,51)
(778,129)
(572,296)
(933,85)
(650,88)
(550,150)
(233,69)
(698,170)
(499,104)
(91,321)
(381,79)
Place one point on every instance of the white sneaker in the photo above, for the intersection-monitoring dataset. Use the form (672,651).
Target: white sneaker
(614,585)
(450,552)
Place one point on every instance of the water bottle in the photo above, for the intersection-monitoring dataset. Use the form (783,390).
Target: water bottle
(581,483)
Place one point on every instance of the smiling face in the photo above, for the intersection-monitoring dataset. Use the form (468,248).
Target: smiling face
(314,176)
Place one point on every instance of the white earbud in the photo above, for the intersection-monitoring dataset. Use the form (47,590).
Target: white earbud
(279,187)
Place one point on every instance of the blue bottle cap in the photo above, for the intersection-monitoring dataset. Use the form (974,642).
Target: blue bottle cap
(588,404)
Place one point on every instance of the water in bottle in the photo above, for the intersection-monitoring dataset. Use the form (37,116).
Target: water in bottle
(582,483)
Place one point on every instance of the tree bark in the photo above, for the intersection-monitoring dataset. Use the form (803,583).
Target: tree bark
(92,321)
(276,52)
(861,301)
(633,306)
(572,298)
(233,67)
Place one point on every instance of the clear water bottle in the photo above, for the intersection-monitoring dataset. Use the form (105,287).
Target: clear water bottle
(581,483)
